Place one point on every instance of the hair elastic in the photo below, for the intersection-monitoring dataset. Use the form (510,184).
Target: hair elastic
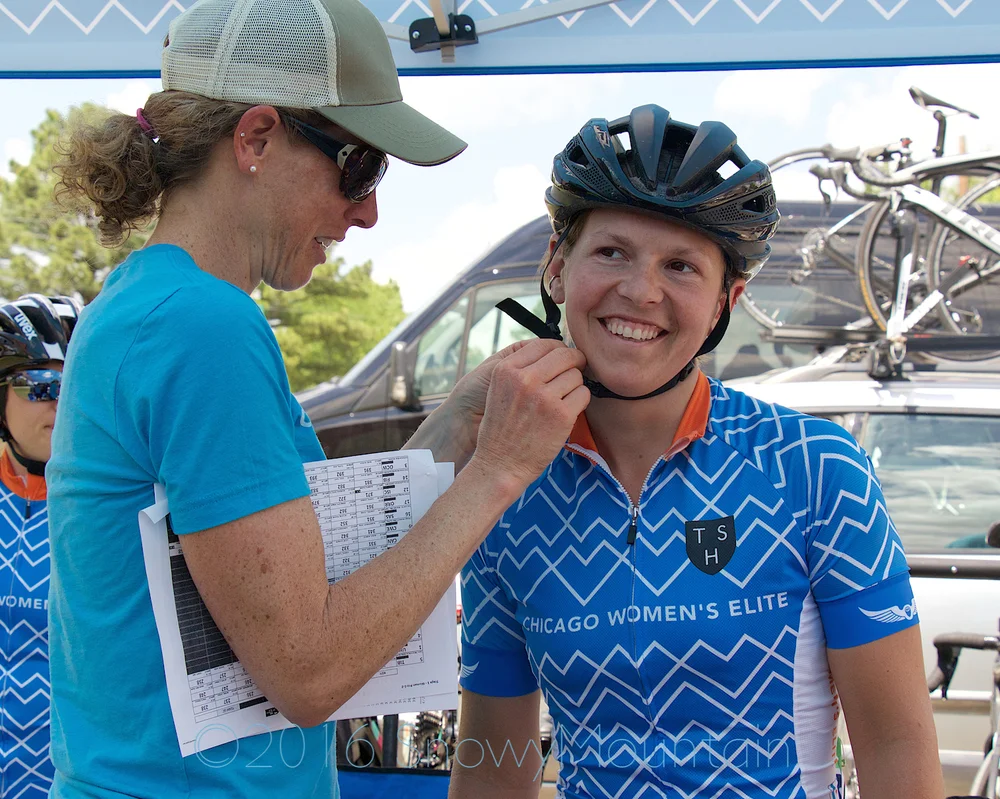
(144,124)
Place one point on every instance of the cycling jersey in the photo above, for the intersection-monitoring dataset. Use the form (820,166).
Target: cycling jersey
(681,642)
(25,767)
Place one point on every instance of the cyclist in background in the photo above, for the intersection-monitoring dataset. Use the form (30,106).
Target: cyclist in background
(34,333)
(699,581)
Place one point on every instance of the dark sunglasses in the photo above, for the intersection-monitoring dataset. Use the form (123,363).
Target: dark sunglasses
(36,385)
(361,165)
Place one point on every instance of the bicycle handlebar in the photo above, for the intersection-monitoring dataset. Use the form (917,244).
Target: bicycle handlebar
(838,174)
(936,679)
(949,646)
(966,641)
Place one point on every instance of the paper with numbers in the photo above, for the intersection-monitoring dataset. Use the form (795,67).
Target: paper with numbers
(364,505)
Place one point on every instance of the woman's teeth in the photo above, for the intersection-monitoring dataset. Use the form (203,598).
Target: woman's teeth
(633,331)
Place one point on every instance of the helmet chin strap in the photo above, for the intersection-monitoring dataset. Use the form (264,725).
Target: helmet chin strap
(34,467)
(550,329)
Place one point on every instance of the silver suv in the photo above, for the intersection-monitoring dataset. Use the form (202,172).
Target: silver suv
(933,435)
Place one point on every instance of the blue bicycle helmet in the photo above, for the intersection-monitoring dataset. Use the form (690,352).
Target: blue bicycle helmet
(650,162)
(672,169)
(34,329)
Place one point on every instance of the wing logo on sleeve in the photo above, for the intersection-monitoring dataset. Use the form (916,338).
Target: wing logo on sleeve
(467,669)
(893,614)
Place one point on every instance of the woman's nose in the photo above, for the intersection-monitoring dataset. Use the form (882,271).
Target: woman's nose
(641,285)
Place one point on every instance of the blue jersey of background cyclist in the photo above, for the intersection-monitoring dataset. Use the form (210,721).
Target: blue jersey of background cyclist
(692,662)
(174,377)
(25,766)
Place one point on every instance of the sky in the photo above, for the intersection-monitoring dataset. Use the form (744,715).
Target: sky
(435,221)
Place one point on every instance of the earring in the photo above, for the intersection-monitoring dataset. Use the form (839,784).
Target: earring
(548,286)
(253,168)
(243,134)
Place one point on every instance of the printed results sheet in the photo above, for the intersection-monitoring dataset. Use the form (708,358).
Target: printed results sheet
(364,506)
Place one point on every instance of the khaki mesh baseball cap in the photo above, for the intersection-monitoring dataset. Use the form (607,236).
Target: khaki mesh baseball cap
(331,56)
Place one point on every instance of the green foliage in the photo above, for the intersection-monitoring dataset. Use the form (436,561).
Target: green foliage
(54,248)
(326,327)
(45,246)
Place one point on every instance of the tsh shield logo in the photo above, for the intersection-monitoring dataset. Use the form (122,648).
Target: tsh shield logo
(711,543)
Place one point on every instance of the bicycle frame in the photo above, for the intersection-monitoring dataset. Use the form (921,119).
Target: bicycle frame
(900,189)
(928,170)
(958,220)
(949,646)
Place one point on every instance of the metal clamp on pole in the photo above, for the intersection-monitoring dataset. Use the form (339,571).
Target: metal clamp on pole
(425,36)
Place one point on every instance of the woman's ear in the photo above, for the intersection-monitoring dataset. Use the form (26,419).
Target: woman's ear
(254,133)
(554,272)
(738,287)
(735,290)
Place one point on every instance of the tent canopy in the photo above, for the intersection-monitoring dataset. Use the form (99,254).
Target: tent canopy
(91,38)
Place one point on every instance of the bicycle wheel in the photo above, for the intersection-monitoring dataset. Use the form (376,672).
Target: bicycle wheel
(808,279)
(985,782)
(971,306)
(876,259)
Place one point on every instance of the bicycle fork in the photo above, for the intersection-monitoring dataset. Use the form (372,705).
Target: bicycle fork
(968,272)
(906,231)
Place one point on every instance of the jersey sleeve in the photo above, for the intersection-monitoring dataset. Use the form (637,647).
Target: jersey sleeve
(494,656)
(857,567)
(204,389)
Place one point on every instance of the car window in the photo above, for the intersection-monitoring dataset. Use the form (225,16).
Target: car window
(439,351)
(940,476)
(743,352)
(492,330)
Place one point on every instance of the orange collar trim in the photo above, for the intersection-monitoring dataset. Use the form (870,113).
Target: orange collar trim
(29,486)
(692,426)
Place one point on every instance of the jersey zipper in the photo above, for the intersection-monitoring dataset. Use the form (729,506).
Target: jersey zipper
(633,527)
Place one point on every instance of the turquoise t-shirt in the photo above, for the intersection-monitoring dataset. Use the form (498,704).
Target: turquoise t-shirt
(174,376)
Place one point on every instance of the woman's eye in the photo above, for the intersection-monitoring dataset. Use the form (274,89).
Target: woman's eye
(680,266)
(610,252)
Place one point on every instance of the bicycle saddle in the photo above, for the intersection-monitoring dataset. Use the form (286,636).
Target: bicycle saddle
(925,100)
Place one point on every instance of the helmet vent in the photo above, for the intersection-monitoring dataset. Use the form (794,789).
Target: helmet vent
(727,170)
(577,156)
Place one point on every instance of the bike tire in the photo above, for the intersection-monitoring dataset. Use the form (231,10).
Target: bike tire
(876,266)
(985,782)
(965,313)
(768,306)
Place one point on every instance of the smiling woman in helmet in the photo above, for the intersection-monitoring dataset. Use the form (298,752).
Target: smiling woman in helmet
(34,333)
(699,581)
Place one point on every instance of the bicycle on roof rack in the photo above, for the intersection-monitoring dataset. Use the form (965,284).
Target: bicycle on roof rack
(924,265)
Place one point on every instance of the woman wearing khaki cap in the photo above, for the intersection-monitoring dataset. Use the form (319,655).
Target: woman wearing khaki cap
(265,146)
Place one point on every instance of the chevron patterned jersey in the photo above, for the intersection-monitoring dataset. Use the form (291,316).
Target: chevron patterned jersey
(25,768)
(681,643)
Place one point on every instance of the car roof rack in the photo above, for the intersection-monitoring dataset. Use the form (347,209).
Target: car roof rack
(885,355)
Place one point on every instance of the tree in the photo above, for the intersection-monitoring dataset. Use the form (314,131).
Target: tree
(326,327)
(45,246)
(54,248)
